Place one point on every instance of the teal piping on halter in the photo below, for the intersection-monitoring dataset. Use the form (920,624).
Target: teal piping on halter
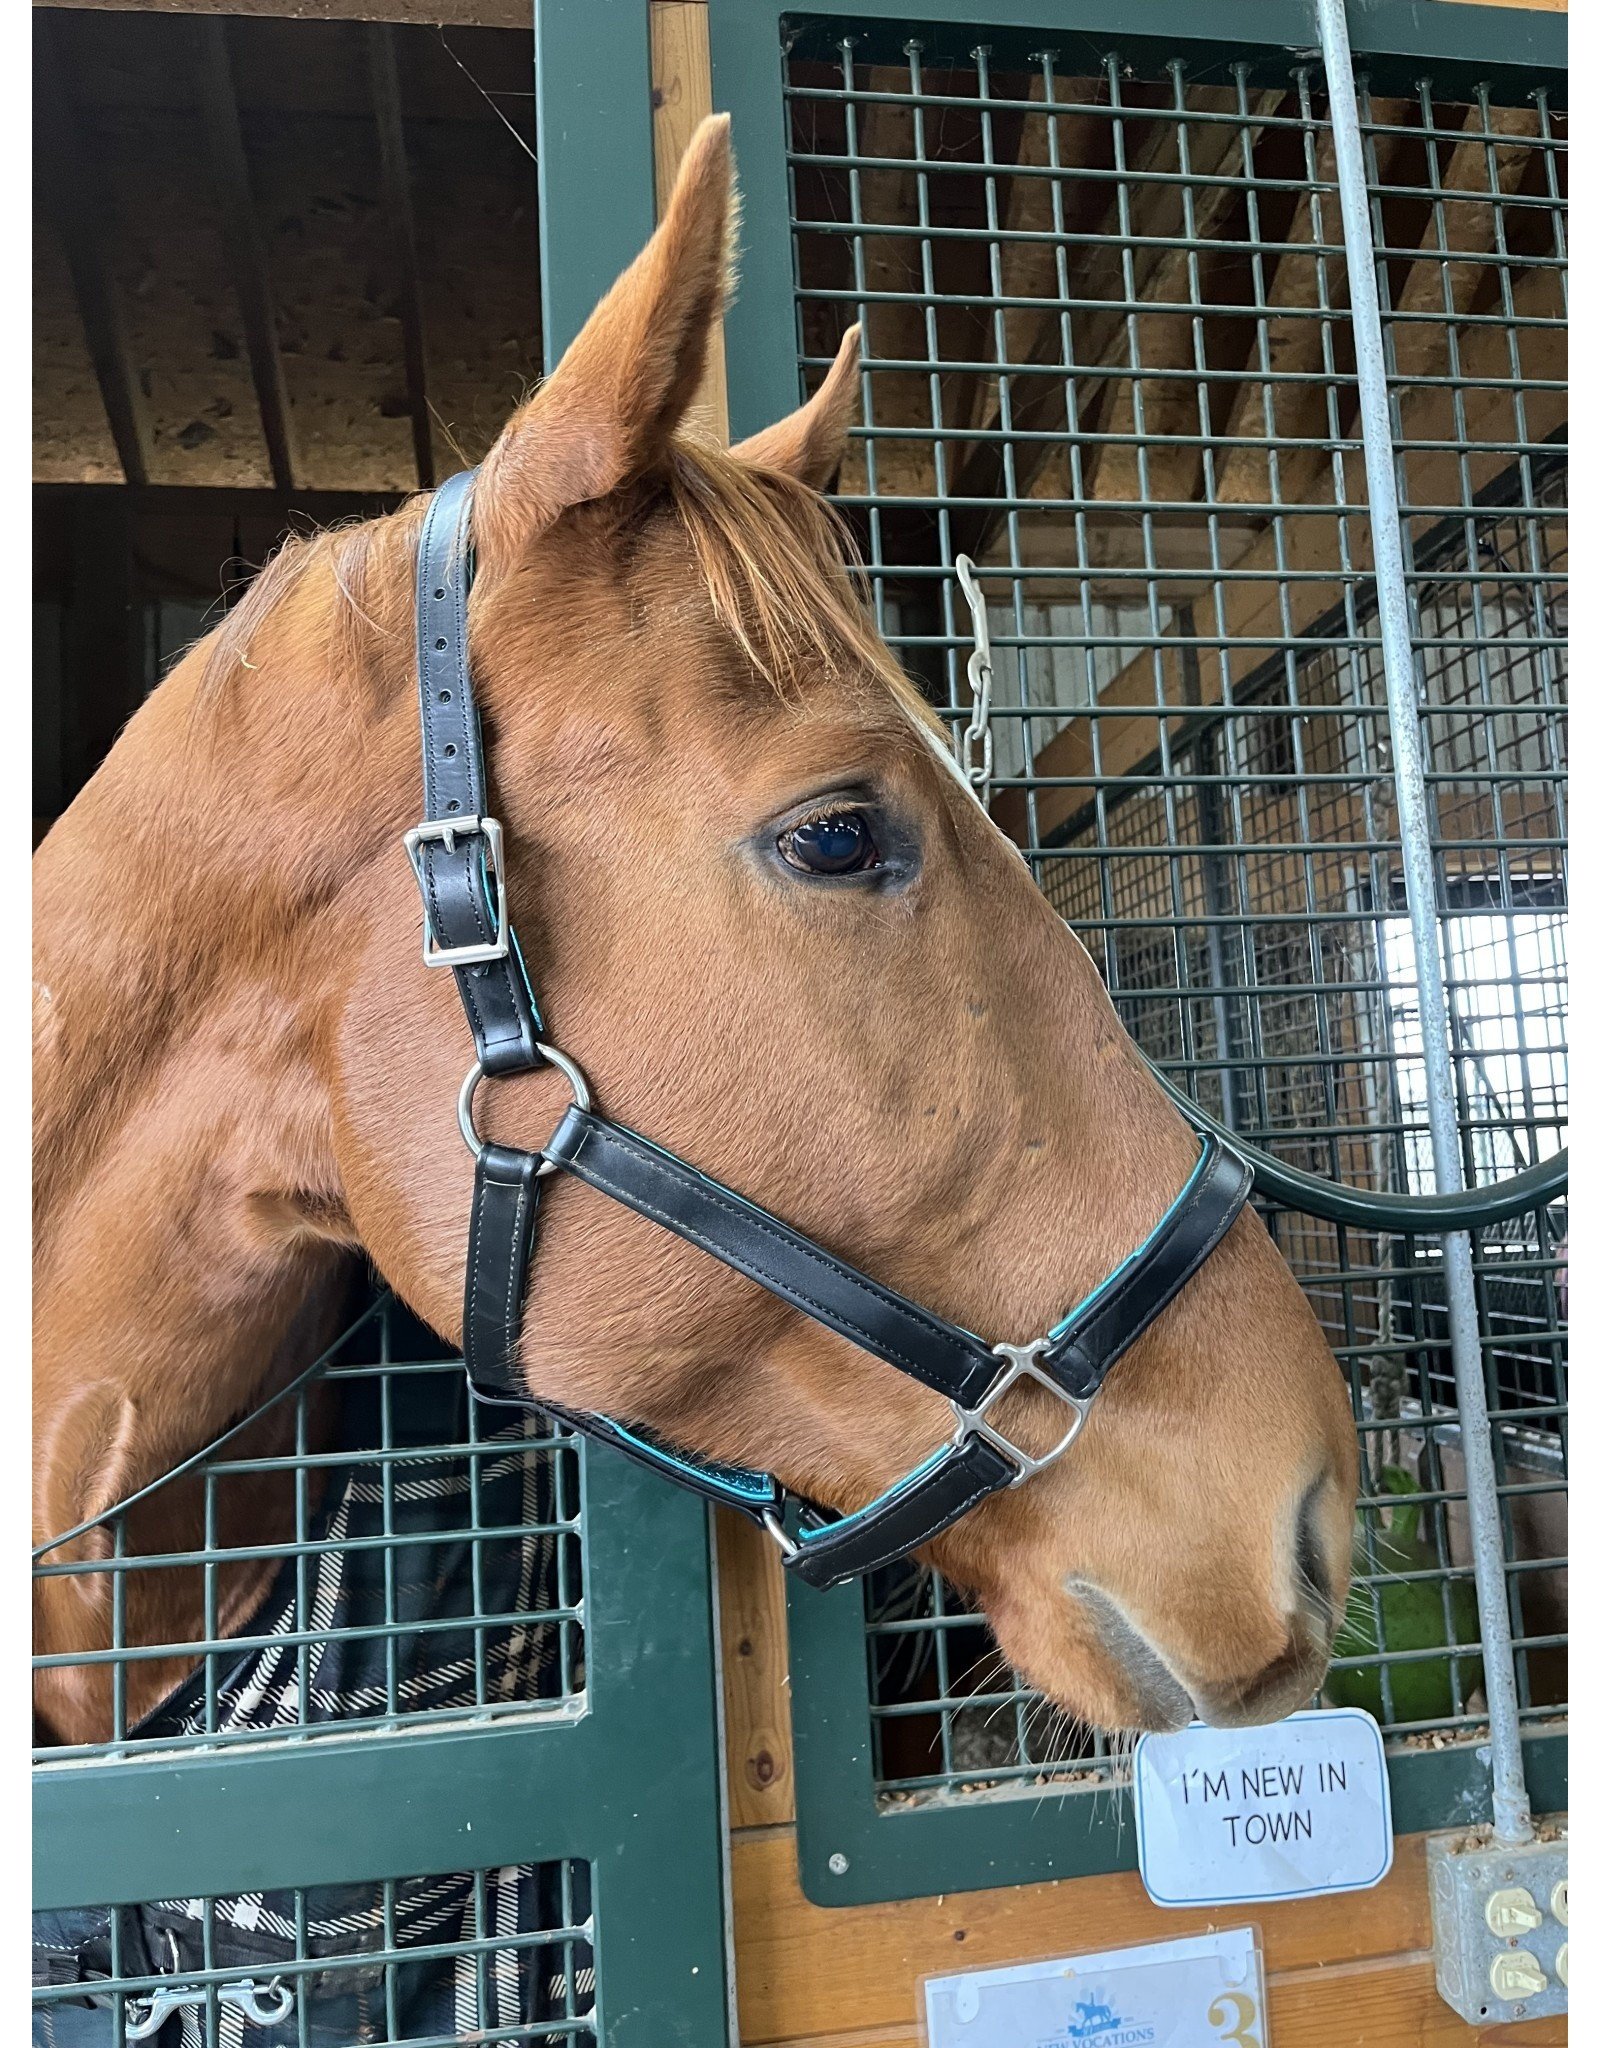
(1208,1146)
(742,1485)
(809,1535)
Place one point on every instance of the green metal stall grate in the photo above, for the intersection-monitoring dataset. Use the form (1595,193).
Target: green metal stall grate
(478,1651)
(1110,356)
(409,1553)
(494,1956)
(449,1636)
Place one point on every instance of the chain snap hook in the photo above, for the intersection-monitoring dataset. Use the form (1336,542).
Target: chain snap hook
(976,743)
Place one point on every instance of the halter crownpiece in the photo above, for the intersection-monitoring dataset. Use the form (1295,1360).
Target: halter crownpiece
(457,855)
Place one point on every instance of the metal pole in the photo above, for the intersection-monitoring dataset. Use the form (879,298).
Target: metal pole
(1511,1814)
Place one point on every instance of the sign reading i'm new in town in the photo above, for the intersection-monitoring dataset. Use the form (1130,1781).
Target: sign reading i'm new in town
(1230,1815)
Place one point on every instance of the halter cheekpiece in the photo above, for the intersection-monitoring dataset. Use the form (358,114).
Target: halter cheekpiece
(458,857)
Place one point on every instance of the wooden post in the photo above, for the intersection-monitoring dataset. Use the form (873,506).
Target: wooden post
(230,171)
(383,74)
(680,96)
(74,191)
(755,1651)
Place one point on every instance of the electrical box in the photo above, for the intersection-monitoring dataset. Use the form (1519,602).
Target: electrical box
(1499,1926)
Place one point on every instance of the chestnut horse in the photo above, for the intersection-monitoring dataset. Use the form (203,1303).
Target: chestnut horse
(244,1072)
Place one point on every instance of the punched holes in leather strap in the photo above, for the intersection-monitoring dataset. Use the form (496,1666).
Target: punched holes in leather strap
(464,903)
(453,779)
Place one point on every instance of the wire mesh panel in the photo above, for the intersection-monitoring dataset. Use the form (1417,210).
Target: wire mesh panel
(372,1549)
(1108,355)
(502,1955)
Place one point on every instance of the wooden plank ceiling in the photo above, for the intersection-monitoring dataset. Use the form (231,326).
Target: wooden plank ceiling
(277,253)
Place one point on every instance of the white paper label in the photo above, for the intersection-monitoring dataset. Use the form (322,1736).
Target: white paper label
(1229,1815)
(1203,1991)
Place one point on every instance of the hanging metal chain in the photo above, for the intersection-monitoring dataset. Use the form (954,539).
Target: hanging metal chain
(975,743)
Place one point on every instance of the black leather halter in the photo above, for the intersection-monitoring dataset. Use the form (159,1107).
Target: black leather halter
(458,858)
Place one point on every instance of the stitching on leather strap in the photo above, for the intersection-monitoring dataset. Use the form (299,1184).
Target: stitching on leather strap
(822,1311)
(770,1227)
(476,1234)
(1161,1302)
(1130,1282)
(979,1490)
(515,1265)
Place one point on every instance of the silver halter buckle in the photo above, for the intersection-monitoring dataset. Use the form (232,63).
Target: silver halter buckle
(1019,1362)
(445,831)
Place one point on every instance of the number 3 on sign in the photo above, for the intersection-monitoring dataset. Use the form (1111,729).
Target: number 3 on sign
(1236,2007)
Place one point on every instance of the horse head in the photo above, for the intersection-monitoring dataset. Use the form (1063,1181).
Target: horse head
(765,913)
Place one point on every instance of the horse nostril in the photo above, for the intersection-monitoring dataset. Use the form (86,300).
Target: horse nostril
(1310,1556)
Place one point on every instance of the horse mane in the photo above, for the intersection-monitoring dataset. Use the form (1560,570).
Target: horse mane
(370,563)
(780,566)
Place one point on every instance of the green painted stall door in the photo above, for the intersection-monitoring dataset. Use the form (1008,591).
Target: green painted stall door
(457,1777)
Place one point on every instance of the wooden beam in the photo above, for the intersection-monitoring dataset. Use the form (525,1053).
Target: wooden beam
(425,13)
(1288,340)
(1058,138)
(755,1674)
(80,208)
(1166,341)
(1295,344)
(970,270)
(892,333)
(1444,275)
(219,107)
(384,75)
(1315,410)
(1045,405)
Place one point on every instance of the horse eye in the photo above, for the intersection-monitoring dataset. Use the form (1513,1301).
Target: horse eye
(837,844)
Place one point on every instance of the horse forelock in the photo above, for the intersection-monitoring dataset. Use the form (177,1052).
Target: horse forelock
(778,564)
(785,576)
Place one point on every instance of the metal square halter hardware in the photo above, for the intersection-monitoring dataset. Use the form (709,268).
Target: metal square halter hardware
(1021,1363)
(445,832)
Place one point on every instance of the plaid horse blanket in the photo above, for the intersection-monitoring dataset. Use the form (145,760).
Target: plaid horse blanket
(375,1608)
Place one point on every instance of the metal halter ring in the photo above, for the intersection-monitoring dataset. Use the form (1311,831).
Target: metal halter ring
(575,1081)
(1018,1362)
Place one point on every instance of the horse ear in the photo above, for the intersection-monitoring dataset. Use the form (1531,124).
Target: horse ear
(809,445)
(609,407)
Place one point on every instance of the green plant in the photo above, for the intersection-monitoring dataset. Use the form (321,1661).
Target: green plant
(1390,1612)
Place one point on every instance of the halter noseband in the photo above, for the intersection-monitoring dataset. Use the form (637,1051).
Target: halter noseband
(457,855)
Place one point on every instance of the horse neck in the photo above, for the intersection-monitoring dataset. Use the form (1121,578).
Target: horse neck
(190,1250)
(190,876)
